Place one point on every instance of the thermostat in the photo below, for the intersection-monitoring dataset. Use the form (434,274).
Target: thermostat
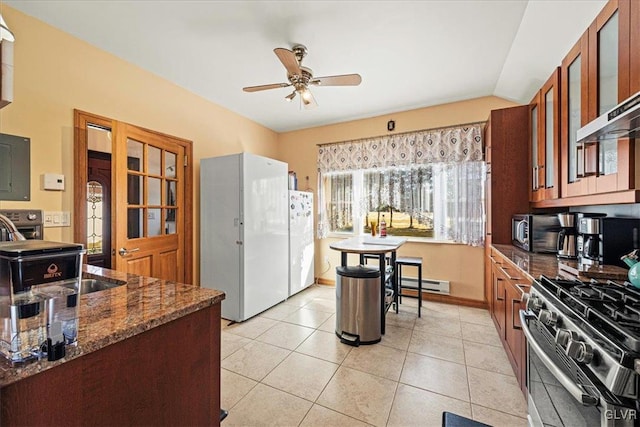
(53,181)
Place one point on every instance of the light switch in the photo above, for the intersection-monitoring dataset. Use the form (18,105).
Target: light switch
(57,219)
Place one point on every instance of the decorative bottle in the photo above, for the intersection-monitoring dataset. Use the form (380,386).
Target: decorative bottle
(383,227)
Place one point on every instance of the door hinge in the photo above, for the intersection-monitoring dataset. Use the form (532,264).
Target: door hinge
(186,161)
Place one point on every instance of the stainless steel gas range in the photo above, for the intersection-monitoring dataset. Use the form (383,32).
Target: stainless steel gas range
(583,353)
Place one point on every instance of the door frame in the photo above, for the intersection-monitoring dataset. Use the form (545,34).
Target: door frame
(81,120)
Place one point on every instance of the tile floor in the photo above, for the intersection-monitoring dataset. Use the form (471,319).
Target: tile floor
(286,367)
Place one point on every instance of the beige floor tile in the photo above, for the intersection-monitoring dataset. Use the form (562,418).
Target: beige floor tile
(326,346)
(229,343)
(360,395)
(440,376)
(266,406)
(376,360)
(447,326)
(496,418)
(280,311)
(319,416)
(437,309)
(255,360)
(475,315)
(487,357)
(481,334)
(496,391)
(233,387)
(301,375)
(396,337)
(416,407)
(447,348)
(309,318)
(320,304)
(286,335)
(324,291)
(401,319)
(329,325)
(301,298)
(251,328)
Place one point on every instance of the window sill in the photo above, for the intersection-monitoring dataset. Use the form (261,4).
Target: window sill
(429,240)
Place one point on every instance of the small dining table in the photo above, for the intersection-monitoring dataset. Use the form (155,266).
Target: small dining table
(381,246)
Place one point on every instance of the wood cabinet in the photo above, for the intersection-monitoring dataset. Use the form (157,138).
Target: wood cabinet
(506,145)
(168,375)
(545,141)
(508,286)
(600,71)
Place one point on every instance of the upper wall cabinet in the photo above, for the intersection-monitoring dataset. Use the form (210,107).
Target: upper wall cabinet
(596,75)
(545,141)
(574,95)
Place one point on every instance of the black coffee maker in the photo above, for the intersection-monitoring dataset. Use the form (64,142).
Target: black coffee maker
(567,245)
(589,241)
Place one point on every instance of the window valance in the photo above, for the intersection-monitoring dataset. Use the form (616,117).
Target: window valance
(444,145)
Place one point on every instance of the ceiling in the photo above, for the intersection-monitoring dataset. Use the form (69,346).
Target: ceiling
(410,54)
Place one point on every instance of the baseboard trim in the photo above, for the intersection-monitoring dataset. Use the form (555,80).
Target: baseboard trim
(427,296)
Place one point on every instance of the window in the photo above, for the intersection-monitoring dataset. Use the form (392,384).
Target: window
(425,184)
(403,196)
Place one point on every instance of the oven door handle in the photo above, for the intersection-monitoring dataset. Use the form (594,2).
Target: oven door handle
(576,390)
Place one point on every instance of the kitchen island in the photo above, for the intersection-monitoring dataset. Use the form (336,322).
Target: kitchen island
(148,352)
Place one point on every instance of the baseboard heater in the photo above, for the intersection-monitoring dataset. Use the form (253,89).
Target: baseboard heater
(428,285)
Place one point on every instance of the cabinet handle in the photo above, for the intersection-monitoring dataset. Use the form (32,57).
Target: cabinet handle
(579,159)
(497,293)
(523,288)
(506,273)
(515,318)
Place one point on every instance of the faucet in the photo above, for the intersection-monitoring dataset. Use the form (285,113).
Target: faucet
(12,231)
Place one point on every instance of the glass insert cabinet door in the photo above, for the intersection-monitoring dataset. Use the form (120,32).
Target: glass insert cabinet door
(608,90)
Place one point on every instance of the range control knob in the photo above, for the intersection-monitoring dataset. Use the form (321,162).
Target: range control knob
(564,335)
(32,216)
(548,317)
(533,303)
(580,351)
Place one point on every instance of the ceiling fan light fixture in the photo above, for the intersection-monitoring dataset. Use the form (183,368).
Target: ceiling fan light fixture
(290,96)
(306,96)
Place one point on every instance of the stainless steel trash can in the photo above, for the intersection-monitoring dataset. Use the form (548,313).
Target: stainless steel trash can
(358,305)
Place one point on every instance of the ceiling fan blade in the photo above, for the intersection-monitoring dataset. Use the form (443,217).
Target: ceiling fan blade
(288,59)
(341,80)
(308,100)
(265,87)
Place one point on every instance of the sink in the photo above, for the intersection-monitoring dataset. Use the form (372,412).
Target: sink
(88,286)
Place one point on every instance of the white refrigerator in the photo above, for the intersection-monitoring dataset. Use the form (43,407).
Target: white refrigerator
(301,244)
(244,232)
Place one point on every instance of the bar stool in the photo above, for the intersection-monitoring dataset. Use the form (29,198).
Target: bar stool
(411,262)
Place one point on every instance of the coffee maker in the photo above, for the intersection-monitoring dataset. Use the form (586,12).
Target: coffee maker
(604,240)
(589,241)
(567,247)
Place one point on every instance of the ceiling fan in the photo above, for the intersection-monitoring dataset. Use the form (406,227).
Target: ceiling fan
(301,77)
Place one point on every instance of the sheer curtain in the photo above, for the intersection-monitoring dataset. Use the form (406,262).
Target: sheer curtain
(446,162)
(459,202)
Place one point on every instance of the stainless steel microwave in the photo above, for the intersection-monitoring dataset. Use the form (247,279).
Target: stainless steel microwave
(535,232)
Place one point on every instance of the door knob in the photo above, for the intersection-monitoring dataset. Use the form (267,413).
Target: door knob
(124,251)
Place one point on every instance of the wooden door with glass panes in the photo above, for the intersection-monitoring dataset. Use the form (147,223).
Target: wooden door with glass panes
(149,214)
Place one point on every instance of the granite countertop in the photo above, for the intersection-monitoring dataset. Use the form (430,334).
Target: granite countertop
(116,314)
(550,265)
